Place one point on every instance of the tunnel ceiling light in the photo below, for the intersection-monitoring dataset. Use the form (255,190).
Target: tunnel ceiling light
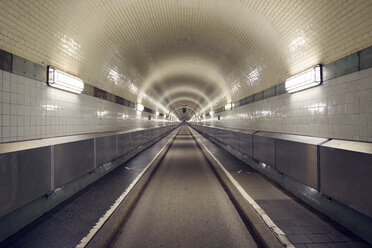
(304,80)
(229,106)
(64,81)
(140,107)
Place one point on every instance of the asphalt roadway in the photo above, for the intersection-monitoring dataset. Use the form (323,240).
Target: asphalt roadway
(184,205)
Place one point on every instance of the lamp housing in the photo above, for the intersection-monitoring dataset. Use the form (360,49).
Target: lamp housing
(140,107)
(64,81)
(229,106)
(304,80)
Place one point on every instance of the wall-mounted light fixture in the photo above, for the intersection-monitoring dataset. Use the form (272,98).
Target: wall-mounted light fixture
(140,107)
(157,113)
(229,106)
(64,81)
(211,113)
(304,80)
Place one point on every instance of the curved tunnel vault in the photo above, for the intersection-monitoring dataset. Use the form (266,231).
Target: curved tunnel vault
(219,64)
(212,51)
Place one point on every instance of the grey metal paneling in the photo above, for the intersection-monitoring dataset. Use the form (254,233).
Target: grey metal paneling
(124,143)
(346,172)
(26,171)
(24,176)
(29,69)
(264,147)
(343,66)
(365,58)
(270,92)
(258,96)
(234,139)
(134,139)
(280,89)
(5,61)
(219,134)
(297,157)
(246,143)
(106,149)
(224,136)
(73,160)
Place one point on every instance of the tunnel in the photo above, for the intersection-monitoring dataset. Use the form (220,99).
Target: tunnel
(186,123)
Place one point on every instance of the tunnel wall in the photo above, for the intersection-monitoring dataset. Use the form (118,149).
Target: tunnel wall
(339,108)
(29,109)
(332,175)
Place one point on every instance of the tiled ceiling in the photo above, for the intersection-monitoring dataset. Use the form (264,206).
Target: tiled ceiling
(205,52)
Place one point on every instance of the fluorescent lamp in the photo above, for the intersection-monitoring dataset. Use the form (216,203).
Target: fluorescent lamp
(140,107)
(64,81)
(304,80)
(229,106)
(157,113)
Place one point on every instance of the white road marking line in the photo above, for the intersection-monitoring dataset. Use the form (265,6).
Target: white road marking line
(280,234)
(107,215)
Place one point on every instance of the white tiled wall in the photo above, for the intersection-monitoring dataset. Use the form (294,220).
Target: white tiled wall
(340,108)
(29,109)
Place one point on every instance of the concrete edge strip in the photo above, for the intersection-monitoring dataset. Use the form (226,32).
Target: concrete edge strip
(266,219)
(84,242)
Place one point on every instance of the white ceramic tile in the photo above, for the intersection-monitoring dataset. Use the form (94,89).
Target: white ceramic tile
(36,111)
(340,113)
(13,98)
(6,97)
(6,108)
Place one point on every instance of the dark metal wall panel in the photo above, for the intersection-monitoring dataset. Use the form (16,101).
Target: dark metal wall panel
(72,160)
(224,135)
(149,135)
(280,89)
(346,65)
(246,143)
(106,149)
(258,96)
(365,58)
(347,177)
(28,69)
(213,132)
(124,143)
(217,134)
(24,176)
(264,147)
(231,139)
(28,174)
(270,92)
(135,139)
(5,61)
(298,160)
